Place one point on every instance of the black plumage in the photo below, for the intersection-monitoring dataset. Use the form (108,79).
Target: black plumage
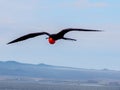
(59,35)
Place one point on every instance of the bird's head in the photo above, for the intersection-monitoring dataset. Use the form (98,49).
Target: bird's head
(51,40)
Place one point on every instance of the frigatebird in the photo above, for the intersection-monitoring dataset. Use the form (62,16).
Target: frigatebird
(52,38)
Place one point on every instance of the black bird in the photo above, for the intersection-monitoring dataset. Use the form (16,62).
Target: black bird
(52,37)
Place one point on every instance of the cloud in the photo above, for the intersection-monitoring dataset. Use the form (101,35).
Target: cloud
(88,3)
(6,20)
(83,4)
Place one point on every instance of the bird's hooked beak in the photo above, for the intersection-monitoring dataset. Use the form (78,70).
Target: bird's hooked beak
(51,40)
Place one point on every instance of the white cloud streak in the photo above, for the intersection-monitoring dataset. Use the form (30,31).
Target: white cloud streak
(85,4)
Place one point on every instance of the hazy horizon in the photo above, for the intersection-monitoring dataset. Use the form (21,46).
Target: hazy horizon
(57,65)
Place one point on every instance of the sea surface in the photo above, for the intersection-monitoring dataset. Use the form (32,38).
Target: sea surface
(15,85)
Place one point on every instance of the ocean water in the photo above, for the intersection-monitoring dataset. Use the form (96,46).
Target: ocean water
(10,85)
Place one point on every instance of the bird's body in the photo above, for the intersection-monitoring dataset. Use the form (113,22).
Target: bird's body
(52,37)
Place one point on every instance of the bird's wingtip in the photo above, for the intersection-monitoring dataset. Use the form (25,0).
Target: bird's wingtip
(100,30)
(8,43)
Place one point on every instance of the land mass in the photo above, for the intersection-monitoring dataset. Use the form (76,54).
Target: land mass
(12,70)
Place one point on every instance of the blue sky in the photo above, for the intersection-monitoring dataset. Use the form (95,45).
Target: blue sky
(91,50)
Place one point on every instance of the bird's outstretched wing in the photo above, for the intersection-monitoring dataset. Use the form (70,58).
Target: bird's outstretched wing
(31,35)
(64,31)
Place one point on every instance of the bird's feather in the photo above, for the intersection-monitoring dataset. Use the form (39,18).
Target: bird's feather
(31,35)
(64,31)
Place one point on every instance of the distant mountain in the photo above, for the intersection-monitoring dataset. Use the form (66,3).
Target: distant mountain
(13,68)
